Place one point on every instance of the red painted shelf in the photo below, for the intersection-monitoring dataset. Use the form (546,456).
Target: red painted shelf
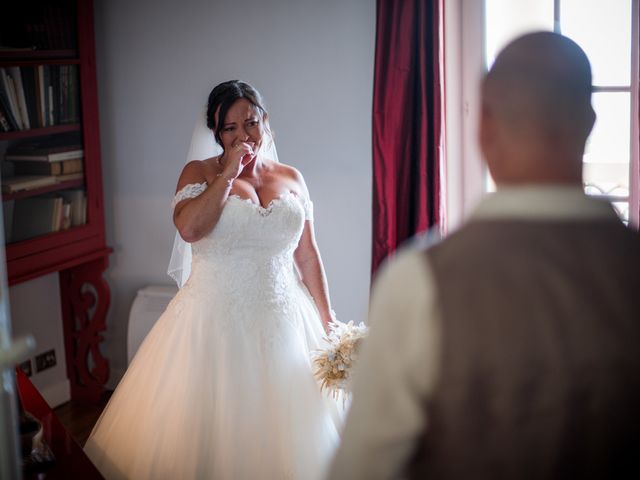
(36,55)
(39,191)
(70,235)
(31,253)
(39,132)
(32,63)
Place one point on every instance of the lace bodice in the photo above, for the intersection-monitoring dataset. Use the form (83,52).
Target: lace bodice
(192,190)
(246,261)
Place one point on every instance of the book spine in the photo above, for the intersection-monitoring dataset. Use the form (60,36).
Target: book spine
(7,83)
(60,218)
(12,89)
(45,87)
(4,123)
(6,108)
(40,94)
(55,216)
(52,120)
(19,183)
(37,168)
(44,157)
(22,104)
(66,219)
(29,87)
(55,71)
(64,94)
(71,166)
(59,157)
(40,148)
(64,167)
(73,94)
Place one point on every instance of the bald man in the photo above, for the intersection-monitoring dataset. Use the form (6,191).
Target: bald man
(510,349)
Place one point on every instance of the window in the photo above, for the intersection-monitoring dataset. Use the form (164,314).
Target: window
(608,33)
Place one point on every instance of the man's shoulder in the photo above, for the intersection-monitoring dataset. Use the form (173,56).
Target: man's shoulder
(408,265)
(425,240)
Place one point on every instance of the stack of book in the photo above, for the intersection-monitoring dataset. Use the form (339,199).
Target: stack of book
(26,182)
(31,217)
(40,96)
(44,161)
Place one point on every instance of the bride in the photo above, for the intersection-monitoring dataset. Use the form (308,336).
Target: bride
(222,386)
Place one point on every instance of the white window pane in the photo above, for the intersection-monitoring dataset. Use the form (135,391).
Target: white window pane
(603,29)
(508,19)
(606,160)
(606,179)
(610,139)
(612,182)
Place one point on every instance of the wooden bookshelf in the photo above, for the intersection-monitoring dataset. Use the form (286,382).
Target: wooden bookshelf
(79,254)
(39,132)
(22,54)
(44,61)
(42,190)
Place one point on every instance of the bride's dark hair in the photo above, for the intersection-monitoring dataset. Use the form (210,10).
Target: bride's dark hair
(223,96)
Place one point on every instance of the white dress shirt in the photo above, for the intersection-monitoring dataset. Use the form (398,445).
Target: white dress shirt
(399,363)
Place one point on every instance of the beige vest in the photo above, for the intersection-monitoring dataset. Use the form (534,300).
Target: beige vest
(541,353)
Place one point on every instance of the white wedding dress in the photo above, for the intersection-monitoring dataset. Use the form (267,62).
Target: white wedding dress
(222,387)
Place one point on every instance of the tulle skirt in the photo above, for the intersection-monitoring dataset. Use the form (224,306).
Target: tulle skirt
(221,398)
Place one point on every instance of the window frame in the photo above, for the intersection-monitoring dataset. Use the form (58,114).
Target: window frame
(466,174)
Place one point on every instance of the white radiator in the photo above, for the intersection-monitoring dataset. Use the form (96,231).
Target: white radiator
(147,307)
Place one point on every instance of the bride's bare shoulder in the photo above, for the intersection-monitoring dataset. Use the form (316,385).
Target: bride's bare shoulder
(197,171)
(291,173)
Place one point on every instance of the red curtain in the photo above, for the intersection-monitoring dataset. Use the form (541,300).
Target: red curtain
(407,110)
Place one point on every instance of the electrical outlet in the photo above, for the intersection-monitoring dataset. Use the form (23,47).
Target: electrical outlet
(45,360)
(26,367)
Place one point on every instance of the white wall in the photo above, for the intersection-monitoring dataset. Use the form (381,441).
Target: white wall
(157,61)
(35,310)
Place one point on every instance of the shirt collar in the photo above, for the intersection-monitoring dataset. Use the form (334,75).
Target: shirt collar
(543,202)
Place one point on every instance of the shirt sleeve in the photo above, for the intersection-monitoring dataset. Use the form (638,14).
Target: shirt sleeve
(397,371)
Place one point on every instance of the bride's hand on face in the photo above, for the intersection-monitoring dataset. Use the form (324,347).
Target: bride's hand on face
(237,158)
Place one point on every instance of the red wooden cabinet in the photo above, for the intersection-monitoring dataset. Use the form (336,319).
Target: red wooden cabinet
(80,253)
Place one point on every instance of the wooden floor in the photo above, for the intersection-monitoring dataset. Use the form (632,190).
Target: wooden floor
(79,418)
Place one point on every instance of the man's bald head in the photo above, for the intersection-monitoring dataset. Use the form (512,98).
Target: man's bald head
(536,110)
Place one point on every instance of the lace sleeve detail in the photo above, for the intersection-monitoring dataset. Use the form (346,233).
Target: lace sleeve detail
(191,190)
(308,208)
